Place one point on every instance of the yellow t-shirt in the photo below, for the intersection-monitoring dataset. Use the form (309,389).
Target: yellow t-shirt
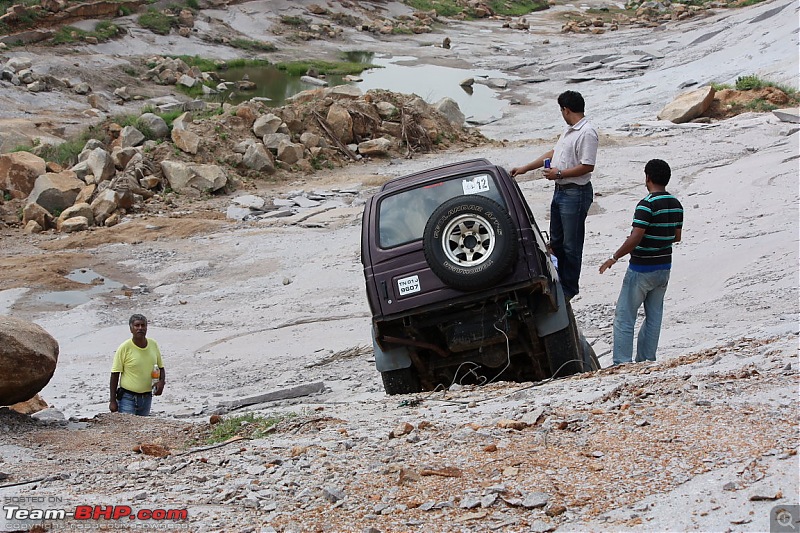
(134,365)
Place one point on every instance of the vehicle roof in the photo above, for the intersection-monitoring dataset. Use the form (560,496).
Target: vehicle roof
(437,172)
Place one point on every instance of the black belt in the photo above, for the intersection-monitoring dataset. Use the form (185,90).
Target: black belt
(148,393)
(571,185)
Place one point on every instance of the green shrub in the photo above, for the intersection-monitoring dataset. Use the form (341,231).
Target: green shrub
(156,21)
(752,82)
(103,32)
(207,65)
(747,83)
(444,8)
(66,153)
(248,44)
(760,105)
(720,86)
(518,8)
(249,425)
(291,20)
(340,68)
(129,70)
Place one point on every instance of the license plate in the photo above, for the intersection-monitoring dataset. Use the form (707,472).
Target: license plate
(408,285)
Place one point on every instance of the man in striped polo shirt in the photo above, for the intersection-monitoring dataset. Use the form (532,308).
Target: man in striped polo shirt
(657,224)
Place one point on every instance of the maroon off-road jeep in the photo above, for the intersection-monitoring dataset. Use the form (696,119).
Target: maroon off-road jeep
(460,283)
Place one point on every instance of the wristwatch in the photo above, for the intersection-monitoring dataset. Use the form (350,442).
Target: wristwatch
(558,175)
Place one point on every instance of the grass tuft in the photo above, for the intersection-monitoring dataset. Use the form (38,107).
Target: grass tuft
(249,425)
(156,21)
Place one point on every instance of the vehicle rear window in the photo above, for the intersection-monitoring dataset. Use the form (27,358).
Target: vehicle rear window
(402,217)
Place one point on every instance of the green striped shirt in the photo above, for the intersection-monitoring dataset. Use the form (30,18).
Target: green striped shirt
(660,214)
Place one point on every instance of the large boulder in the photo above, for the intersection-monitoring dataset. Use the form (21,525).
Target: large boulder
(104,204)
(156,125)
(341,123)
(266,124)
(130,136)
(289,152)
(449,108)
(56,191)
(100,164)
(258,158)
(28,357)
(688,106)
(183,177)
(83,210)
(18,172)
(186,140)
(375,147)
(33,212)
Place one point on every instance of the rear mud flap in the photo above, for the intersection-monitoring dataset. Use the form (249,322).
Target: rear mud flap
(394,359)
(550,322)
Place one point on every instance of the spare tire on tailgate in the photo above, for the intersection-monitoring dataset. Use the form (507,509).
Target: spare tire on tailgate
(470,242)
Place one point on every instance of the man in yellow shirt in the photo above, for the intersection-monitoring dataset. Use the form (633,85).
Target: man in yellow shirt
(136,363)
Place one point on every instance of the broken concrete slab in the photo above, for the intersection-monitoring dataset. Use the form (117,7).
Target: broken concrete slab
(280,394)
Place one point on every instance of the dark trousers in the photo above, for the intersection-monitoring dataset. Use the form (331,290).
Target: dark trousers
(568,212)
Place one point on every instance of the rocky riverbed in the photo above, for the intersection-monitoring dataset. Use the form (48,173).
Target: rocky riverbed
(704,439)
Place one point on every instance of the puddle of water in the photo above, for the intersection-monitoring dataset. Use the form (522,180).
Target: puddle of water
(97,285)
(432,83)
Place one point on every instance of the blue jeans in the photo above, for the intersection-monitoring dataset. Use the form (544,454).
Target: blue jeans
(568,212)
(639,288)
(135,404)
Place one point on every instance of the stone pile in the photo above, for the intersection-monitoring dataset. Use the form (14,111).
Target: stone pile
(212,148)
(648,14)
(19,72)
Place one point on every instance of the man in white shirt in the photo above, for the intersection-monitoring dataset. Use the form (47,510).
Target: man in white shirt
(573,160)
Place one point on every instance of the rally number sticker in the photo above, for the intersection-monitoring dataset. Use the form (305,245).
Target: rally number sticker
(408,285)
(476,185)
